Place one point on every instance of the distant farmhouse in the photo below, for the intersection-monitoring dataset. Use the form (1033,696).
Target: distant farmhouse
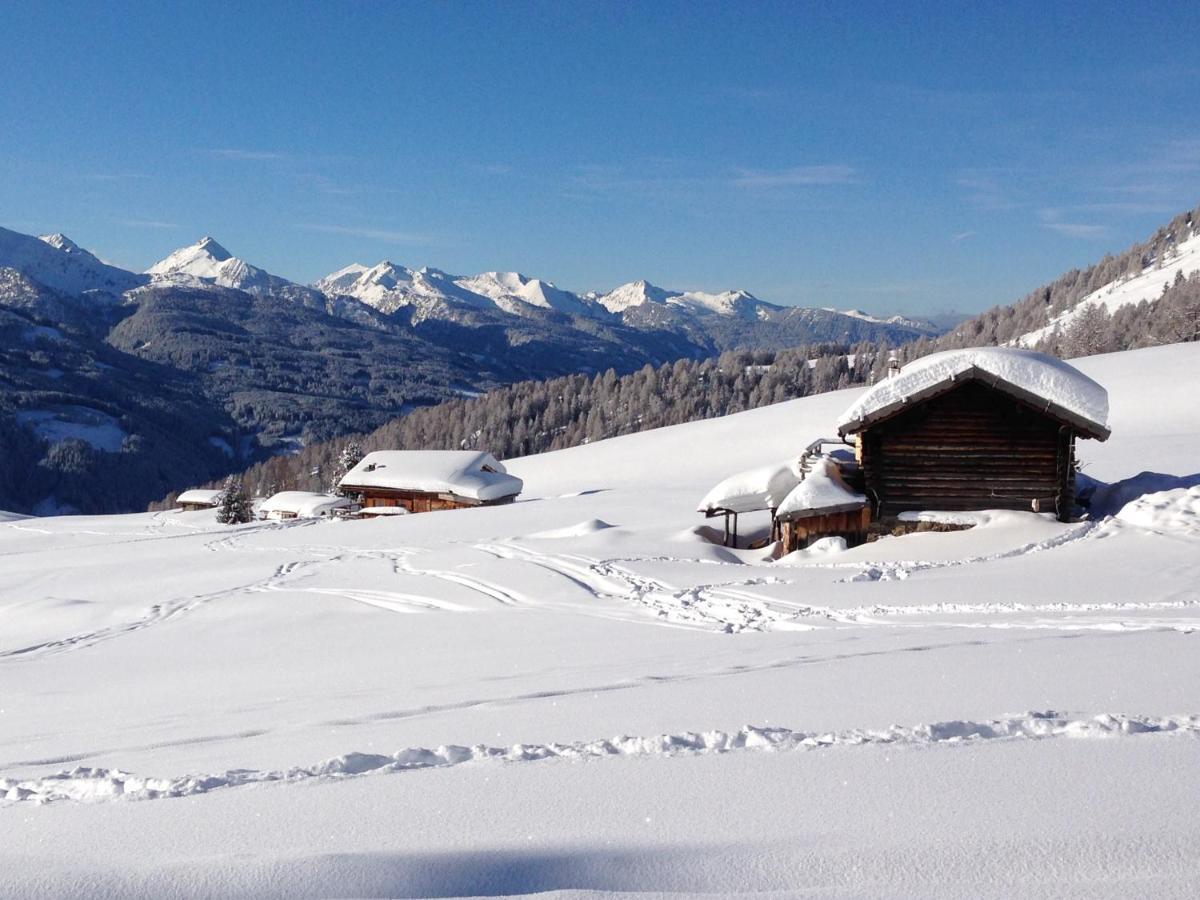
(986,428)
(302,505)
(413,481)
(198,498)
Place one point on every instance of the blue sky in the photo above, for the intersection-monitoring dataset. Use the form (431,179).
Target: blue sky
(912,157)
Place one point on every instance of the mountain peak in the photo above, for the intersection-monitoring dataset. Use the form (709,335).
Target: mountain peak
(60,241)
(210,246)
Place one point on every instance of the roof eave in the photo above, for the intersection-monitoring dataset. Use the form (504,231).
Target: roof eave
(1082,425)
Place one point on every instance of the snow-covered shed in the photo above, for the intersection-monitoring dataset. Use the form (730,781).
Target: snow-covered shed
(198,498)
(982,428)
(427,480)
(302,505)
(761,488)
(822,505)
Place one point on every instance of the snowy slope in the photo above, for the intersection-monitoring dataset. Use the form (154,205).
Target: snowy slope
(579,692)
(59,263)
(1148,285)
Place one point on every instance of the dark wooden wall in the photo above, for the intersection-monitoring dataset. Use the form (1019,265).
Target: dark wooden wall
(797,534)
(420,501)
(970,448)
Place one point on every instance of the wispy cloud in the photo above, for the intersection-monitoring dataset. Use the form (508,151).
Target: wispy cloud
(116,176)
(375,234)
(985,191)
(146,223)
(244,154)
(962,236)
(1078,229)
(797,176)
(1052,219)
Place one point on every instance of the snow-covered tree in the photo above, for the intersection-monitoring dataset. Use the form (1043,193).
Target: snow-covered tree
(235,507)
(351,455)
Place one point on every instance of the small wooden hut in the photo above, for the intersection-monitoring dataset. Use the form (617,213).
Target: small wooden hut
(820,506)
(428,480)
(198,498)
(986,428)
(303,505)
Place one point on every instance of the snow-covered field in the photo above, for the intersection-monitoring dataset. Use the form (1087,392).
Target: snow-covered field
(580,693)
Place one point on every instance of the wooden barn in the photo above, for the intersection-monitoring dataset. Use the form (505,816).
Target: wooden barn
(387,481)
(986,428)
(198,498)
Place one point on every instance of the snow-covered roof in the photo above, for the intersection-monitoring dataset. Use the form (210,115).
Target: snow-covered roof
(822,491)
(1035,378)
(473,474)
(303,504)
(198,496)
(760,488)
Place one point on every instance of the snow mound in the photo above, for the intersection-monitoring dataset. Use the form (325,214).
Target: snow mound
(89,785)
(1032,377)
(1176,510)
(580,529)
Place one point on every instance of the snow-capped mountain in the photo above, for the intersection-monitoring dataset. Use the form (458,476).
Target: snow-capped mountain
(206,261)
(511,291)
(432,293)
(57,262)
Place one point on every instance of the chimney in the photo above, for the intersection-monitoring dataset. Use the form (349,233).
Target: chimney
(893,367)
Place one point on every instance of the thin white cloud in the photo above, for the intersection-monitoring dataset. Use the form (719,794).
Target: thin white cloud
(146,223)
(1077,229)
(374,234)
(116,176)
(253,155)
(797,176)
(962,236)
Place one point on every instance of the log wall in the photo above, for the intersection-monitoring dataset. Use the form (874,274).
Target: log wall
(970,448)
(799,533)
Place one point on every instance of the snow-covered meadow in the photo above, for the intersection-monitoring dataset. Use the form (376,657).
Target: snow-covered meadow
(580,692)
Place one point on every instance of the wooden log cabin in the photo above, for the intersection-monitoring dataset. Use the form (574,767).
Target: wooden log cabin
(415,481)
(987,428)
(198,498)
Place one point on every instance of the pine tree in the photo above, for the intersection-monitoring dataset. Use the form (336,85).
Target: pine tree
(235,507)
(351,455)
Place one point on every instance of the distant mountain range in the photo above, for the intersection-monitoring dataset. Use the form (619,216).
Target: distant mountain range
(118,386)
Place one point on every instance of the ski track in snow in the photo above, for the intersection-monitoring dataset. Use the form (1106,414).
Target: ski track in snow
(98,784)
(624,594)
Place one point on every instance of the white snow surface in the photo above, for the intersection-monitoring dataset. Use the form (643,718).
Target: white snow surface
(582,693)
(1056,382)
(762,487)
(821,490)
(462,472)
(1146,285)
